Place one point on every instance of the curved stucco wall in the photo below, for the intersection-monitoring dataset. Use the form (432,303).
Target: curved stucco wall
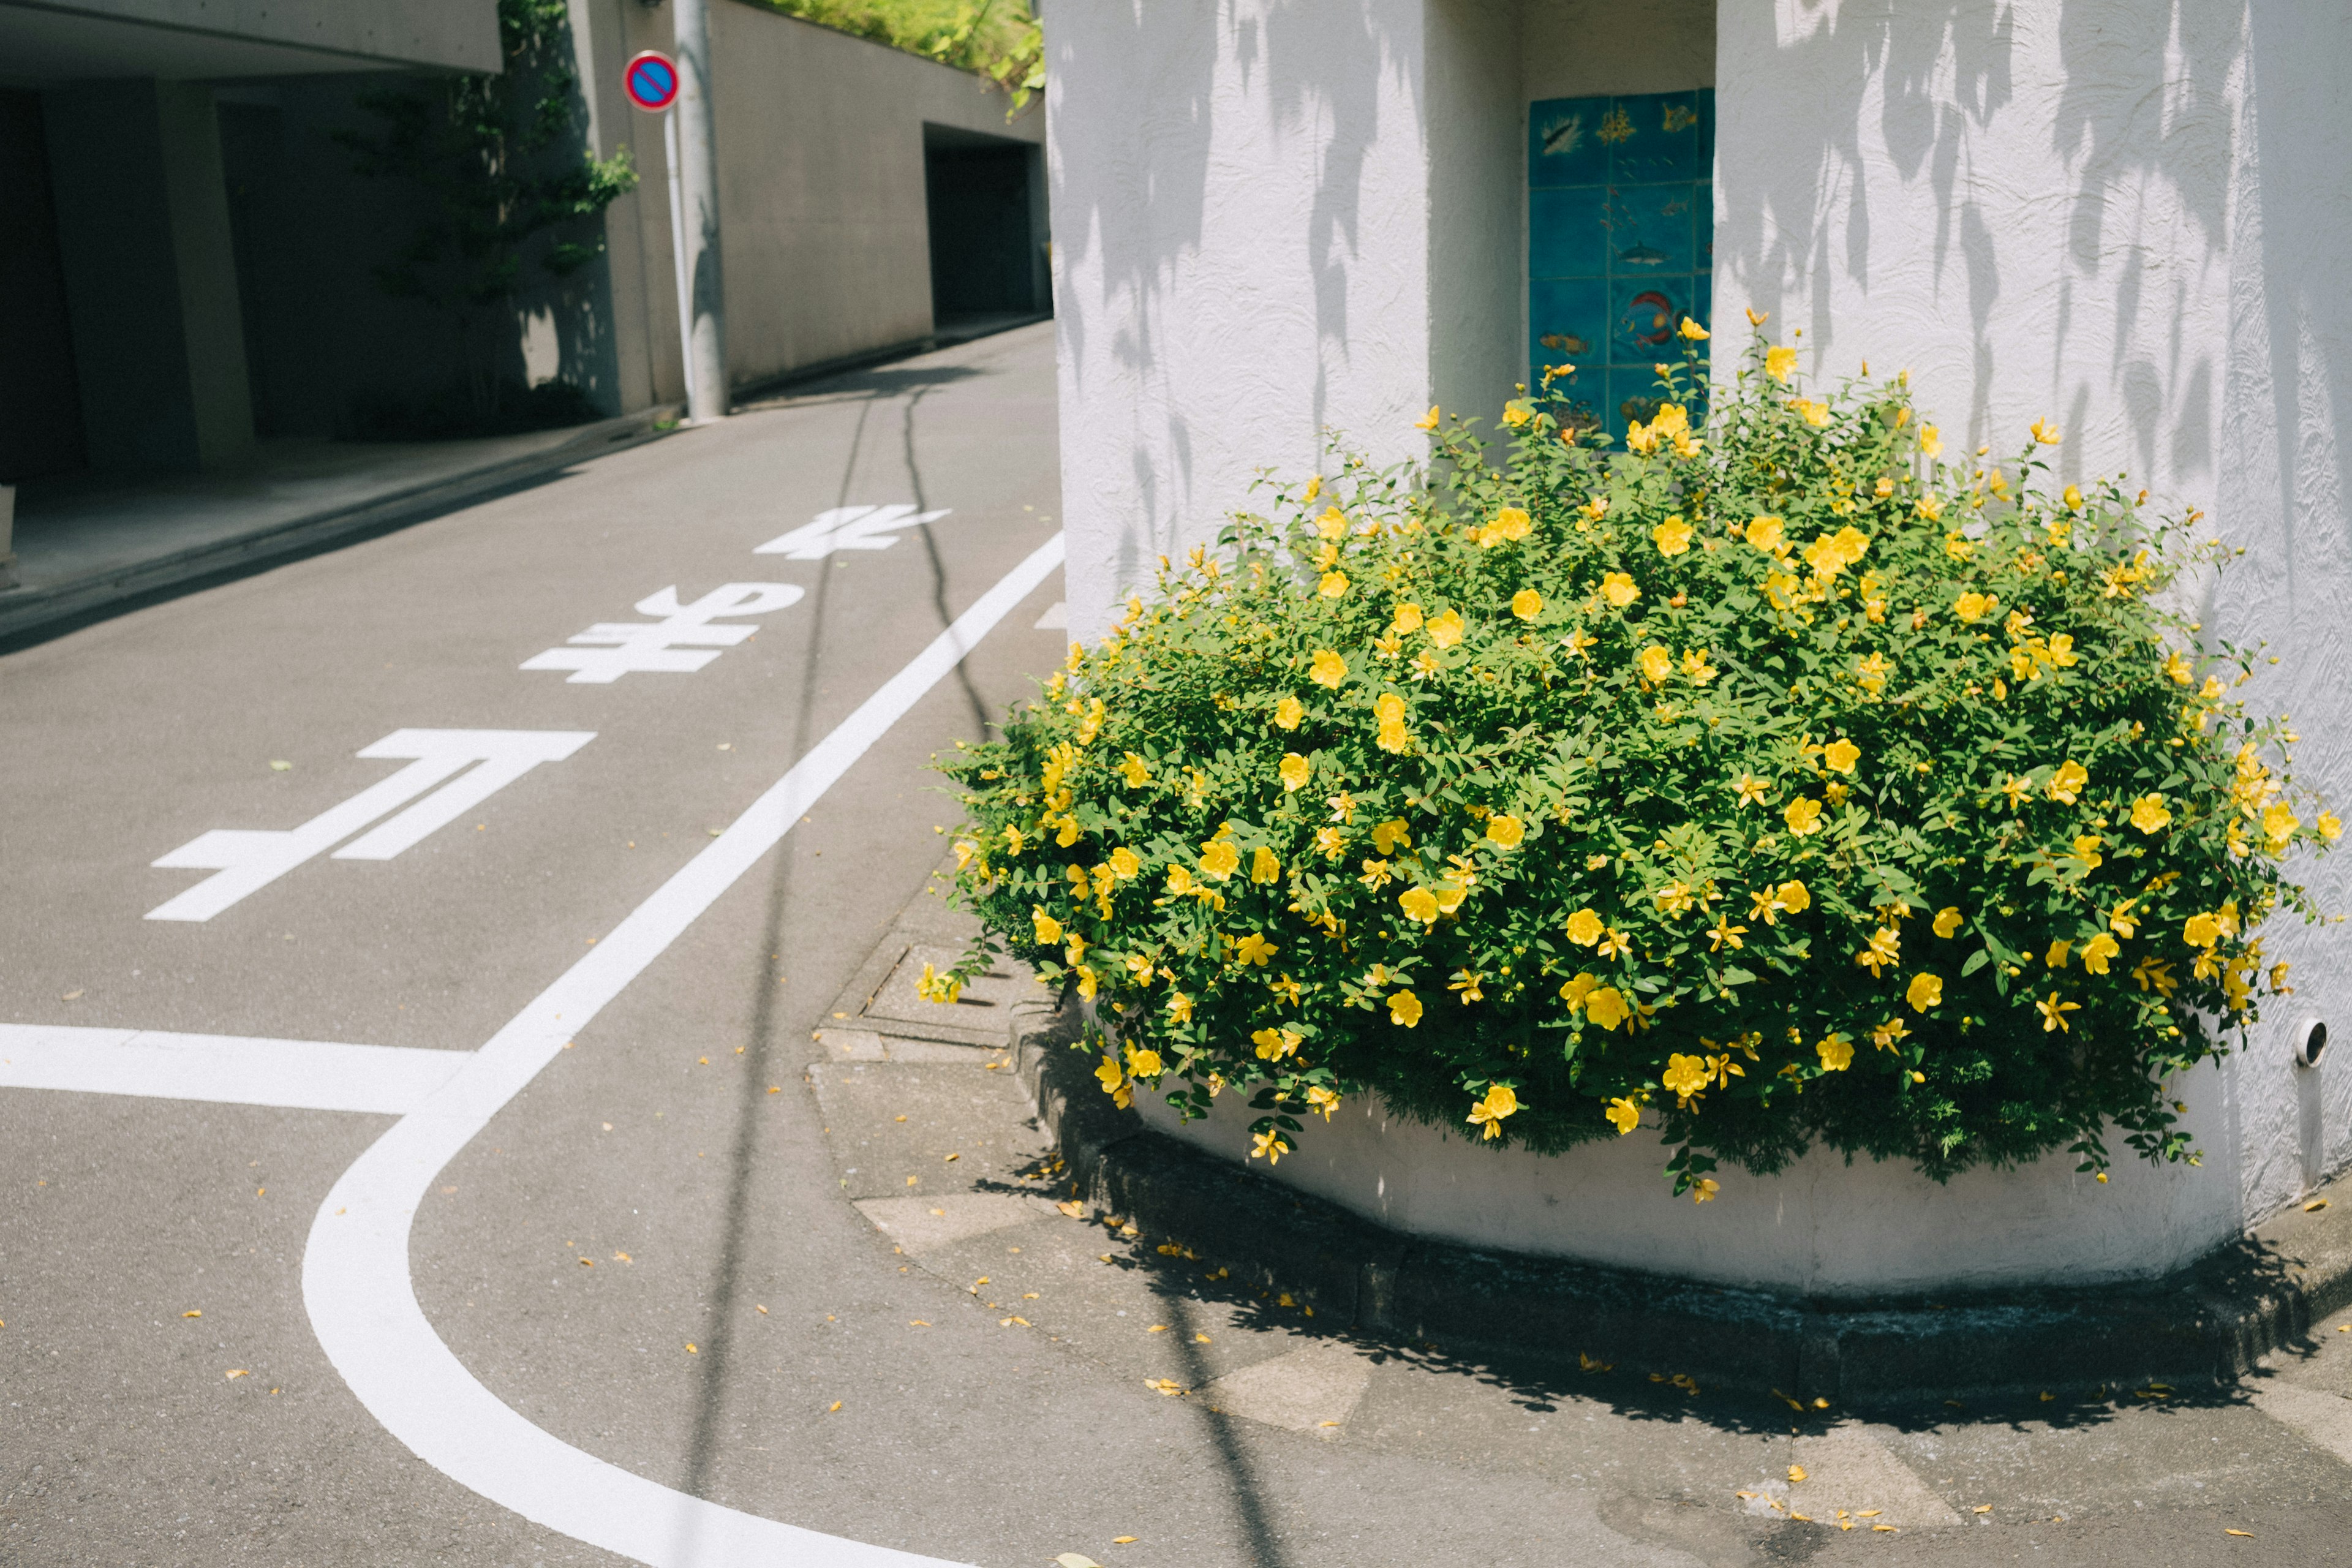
(1823,1227)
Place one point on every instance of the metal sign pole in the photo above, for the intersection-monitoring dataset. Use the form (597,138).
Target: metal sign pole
(678,262)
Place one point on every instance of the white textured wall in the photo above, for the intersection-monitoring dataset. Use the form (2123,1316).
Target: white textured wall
(2129,216)
(1240,234)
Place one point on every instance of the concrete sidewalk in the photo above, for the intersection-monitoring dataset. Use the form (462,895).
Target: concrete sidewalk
(88,544)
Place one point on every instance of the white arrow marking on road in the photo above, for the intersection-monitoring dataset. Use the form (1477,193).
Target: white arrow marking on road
(249,859)
(227,1069)
(355,1279)
(848,528)
(681,643)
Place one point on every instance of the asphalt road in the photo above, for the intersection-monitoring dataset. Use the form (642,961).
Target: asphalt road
(813,1280)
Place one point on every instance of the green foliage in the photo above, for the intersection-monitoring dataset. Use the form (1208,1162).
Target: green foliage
(1779,786)
(1000,39)
(489,152)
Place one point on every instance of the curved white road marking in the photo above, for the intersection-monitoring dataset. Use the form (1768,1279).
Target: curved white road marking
(355,1279)
(229,1070)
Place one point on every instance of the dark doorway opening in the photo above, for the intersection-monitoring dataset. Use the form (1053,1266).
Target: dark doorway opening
(988,230)
(41,402)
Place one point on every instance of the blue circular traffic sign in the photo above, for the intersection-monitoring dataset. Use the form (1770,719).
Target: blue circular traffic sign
(651,81)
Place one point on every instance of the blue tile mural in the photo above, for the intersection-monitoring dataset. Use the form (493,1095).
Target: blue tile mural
(1621,241)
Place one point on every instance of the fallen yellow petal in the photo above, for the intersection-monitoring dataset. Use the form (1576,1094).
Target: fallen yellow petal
(1887,1528)
(834,1407)
(917,1323)
(2315,1206)
(1981,1508)
(1124,1540)
(1870,1513)
(192,1314)
(236,1371)
(2247,1533)
(690,1349)
(1796,1473)
(1158,1328)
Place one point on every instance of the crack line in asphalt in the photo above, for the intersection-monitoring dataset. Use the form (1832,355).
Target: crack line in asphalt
(356,1269)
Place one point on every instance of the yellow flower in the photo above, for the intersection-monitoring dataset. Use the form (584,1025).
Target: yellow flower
(1803,817)
(1294,770)
(1836,1052)
(1749,789)
(1816,415)
(1780,363)
(1948,919)
(2045,432)
(1273,1045)
(1332,524)
(1673,537)
(1330,842)
(1219,859)
(1144,1063)
(1870,673)
(2053,1012)
(2148,812)
(2098,951)
(1685,1076)
(937,987)
(1576,990)
(2330,828)
(2202,930)
(1925,992)
(1704,1189)
(2073,498)
(1527,604)
(1619,589)
(1885,947)
(1408,619)
(1405,1008)
(1500,1101)
(1263,867)
(1271,1143)
(1887,1034)
(1420,904)
(2066,784)
(1049,930)
(1137,775)
(1695,668)
(1334,585)
(1509,523)
(1842,755)
(1445,630)
(2279,823)
(1389,709)
(1387,836)
(1288,712)
(1584,928)
(1180,1006)
(1314,488)
(1254,949)
(1606,1008)
(1656,664)
(1125,862)
(1327,669)
(1972,606)
(1792,897)
(1114,1081)
(1326,1100)
(2060,951)
(1692,332)
(1931,443)
(1764,532)
(1506,830)
(1428,421)
(1623,1114)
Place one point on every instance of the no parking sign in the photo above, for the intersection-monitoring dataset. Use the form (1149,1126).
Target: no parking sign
(651,81)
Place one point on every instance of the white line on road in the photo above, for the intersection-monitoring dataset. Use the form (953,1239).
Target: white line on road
(355,1277)
(305,1075)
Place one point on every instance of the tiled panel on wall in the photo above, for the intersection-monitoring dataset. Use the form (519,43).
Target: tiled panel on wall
(1620,242)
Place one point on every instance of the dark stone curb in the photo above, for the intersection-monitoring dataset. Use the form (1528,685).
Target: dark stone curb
(2205,1324)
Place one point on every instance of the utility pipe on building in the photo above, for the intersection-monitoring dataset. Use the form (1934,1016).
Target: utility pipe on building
(698,174)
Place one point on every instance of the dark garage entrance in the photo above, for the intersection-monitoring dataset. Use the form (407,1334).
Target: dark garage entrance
(988,230)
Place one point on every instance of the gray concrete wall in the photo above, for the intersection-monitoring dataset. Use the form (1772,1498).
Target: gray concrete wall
(179,39)
(825,244)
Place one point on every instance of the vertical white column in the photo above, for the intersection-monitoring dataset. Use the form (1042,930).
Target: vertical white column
(697,174)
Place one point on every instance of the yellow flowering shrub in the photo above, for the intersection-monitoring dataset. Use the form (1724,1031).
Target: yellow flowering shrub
(1771,781)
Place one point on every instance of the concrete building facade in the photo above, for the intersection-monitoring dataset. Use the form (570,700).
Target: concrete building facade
(192,258)
(1275,220)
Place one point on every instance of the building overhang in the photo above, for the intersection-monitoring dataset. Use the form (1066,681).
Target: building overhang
(44,43)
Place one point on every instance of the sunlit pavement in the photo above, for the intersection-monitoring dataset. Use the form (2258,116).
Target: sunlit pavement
(690,1245)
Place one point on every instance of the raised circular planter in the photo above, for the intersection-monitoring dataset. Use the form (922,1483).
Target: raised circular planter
(1823,1228)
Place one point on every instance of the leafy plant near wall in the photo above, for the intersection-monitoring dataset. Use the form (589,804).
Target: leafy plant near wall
(1767,783)
(1000,39)
(489,153)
